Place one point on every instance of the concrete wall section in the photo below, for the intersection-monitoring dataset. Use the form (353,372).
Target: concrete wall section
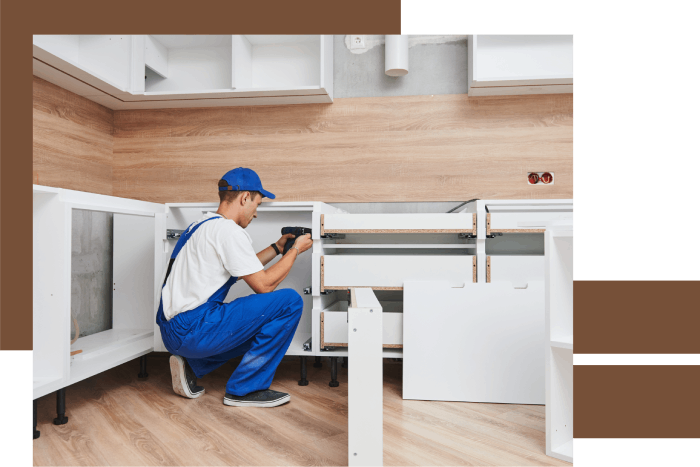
(91,271)
(437,65)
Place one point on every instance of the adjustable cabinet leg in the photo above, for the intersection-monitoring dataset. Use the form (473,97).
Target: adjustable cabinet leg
(345,362)
(143,374)
(334,373)
(317,362)
(303,381)
(37,433)
(61,419)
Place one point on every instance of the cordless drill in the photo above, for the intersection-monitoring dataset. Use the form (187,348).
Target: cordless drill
(297,231)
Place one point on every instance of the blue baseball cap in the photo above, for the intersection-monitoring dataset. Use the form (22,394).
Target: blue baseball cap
(242,179)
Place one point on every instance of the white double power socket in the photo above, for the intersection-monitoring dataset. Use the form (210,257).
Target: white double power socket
(357,42)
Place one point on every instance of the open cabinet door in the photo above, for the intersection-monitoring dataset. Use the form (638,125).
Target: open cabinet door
(133,272)
(483,342)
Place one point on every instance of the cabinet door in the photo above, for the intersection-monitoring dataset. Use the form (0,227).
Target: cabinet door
(477,343)
(133,272)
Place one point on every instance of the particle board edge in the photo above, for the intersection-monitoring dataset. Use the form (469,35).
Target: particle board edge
(362,231)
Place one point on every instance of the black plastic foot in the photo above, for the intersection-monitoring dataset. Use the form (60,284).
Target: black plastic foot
(37,433)
(345,362)
(61,418)
(143,374)
(317,362)
(334,373)
(303,381)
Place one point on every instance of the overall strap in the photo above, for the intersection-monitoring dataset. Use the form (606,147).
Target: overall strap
(186,235)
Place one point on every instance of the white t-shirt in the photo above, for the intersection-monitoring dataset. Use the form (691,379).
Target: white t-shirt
(219,249)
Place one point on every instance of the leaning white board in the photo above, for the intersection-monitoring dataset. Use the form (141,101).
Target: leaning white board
(483,342)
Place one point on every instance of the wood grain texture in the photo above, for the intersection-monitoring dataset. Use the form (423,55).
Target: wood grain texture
(72,140)
(116,419)
(414,148)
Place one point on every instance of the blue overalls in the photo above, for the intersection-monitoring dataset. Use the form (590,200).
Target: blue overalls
(259,326)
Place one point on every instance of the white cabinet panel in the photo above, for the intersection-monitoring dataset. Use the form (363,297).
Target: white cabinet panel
(477,343)
(524,222)
(399,223)
(365,380)
(334,328)
(389,272)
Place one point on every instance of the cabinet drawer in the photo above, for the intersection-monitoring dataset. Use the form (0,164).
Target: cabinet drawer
(399,223)
(334,329)
(518,270)
(339,272)
(524,221)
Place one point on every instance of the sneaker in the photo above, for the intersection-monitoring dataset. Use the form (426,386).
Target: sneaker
(264,398)
(184,379)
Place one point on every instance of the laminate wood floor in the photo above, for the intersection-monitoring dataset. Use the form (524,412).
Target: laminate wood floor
(115,419)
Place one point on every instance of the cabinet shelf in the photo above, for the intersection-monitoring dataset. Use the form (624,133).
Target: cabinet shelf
(400,246)
(563,342)
(107,341)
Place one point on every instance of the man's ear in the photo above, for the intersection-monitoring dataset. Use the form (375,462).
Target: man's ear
(244,197)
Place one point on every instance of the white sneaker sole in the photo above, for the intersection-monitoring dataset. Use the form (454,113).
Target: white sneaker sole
(177,370)
(239,403)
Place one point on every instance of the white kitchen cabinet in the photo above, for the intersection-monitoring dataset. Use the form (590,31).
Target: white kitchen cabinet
(381,251)
(141,249)
(492,329)
(174,71)
(138,254)
(526,64)
(559,376)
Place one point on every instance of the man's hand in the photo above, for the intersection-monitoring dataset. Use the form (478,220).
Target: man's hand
(268,279)
(283,239)
(304,243)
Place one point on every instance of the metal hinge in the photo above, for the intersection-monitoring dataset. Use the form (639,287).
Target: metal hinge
(333,235)
(172,233)
(307,290)
(307,344)
(495,234)
(467,235)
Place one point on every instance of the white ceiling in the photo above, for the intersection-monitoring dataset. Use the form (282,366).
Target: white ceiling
(188,41)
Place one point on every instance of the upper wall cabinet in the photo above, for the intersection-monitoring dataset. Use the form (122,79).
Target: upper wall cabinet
(166,71)
(510,65)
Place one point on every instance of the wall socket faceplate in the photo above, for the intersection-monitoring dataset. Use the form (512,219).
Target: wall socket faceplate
(540,178)
(357,42)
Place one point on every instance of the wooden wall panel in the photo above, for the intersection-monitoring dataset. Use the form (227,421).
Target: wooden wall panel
(415,148)
(73,140)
